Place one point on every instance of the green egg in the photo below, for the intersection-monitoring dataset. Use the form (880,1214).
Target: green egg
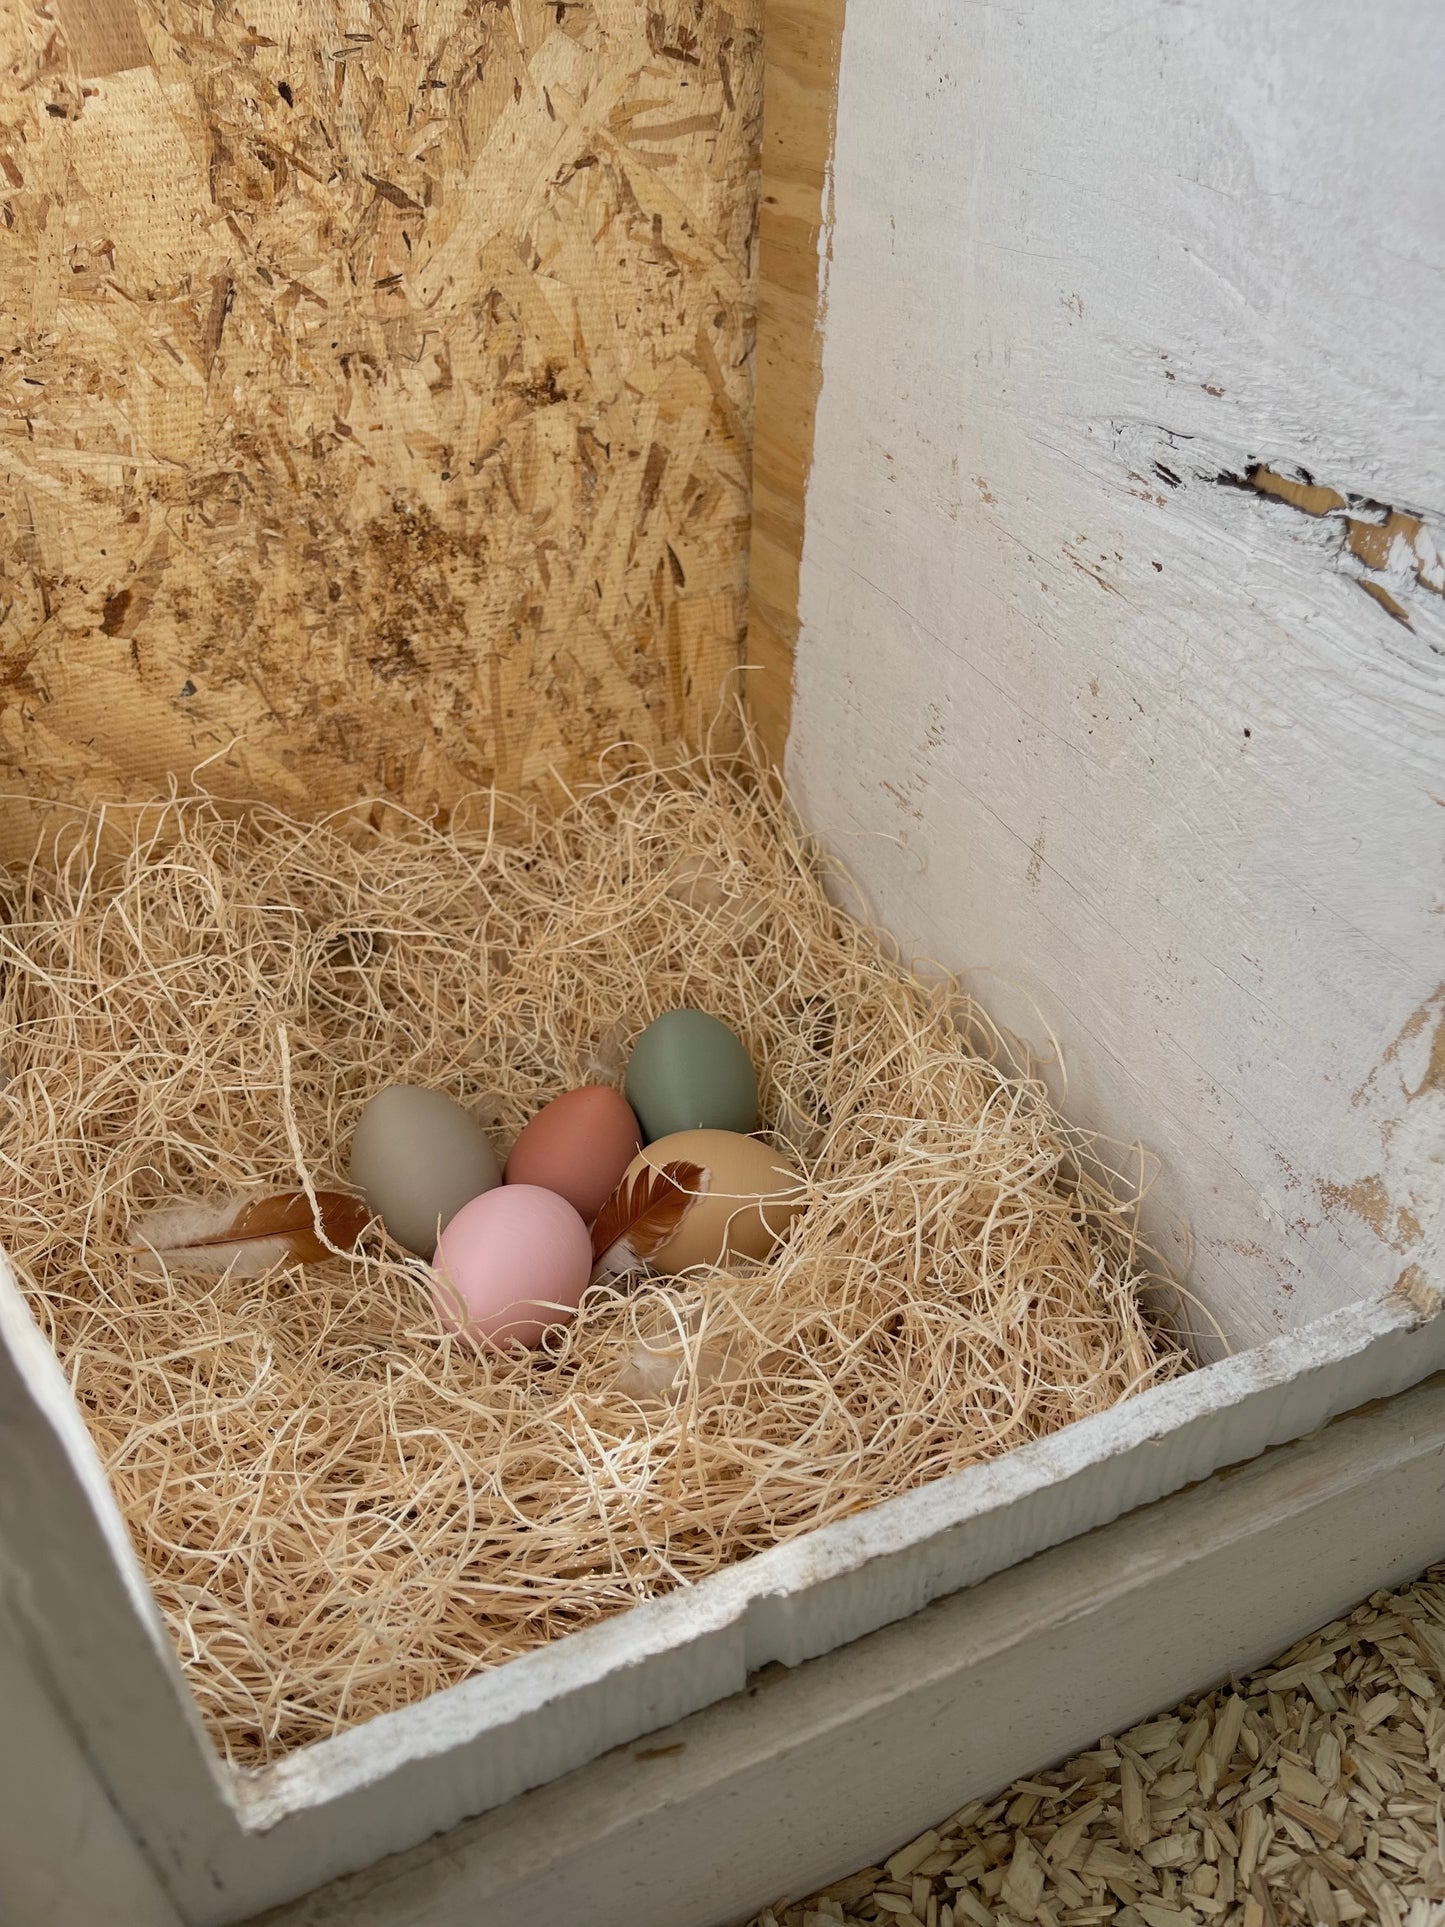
(689,1072)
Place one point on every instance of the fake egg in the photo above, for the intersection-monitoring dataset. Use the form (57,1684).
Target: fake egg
(749,1195)
(510,1265)
(688,1071)
(417,1158)
(578,1146)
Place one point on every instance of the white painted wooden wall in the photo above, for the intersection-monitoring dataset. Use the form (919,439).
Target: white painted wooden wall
(1136,748)
(66,1857)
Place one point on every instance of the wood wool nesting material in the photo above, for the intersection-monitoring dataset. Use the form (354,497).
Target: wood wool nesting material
(339,1509)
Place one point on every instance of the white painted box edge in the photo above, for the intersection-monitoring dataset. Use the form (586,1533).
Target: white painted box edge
(819,1768)
(228,1841)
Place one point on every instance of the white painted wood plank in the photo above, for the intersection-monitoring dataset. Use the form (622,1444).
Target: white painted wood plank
(808,1773)
(1134,749)
(77,1604)
(66,1859)
(485,1741)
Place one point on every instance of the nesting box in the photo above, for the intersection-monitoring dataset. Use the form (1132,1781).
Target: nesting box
(381,421)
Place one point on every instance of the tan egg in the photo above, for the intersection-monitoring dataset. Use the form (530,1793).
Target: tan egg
(749,1197)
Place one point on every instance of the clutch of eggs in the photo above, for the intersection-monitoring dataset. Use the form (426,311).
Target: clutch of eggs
(513,1263)
(511,1260)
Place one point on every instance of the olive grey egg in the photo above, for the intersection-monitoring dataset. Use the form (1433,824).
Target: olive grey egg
(417,1158)
(689,1072)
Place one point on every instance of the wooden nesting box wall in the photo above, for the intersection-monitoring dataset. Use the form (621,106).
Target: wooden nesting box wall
(377,387)
(1099,558)
(804,50)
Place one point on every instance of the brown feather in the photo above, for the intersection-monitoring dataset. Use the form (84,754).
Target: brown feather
(250,1234)
(641,1215)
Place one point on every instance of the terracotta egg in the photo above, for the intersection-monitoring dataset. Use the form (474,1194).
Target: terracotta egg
(417,1158)
(511,1264)
(688,1071)
(578,1146)
(750,1197)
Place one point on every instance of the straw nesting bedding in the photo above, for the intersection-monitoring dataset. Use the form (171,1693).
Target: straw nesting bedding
(1312,1791)
(339,1510)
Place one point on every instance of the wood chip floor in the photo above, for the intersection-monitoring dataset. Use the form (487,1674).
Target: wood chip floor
(1312,1791)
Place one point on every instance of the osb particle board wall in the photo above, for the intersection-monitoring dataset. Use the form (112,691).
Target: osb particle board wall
(376,386)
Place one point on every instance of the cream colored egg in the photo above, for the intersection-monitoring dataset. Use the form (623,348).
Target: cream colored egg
(749,1197)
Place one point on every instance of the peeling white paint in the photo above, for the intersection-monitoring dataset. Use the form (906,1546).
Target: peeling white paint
(1180,806)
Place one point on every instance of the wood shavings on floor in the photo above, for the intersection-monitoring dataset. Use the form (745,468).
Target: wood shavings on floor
(1312,1791)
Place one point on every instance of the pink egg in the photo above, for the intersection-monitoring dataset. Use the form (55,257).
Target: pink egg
(511,1264)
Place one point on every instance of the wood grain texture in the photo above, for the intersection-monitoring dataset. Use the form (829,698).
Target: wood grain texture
(804,45)
(1121,674)
(377,387)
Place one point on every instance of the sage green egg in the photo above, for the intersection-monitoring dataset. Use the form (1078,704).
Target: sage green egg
(689,1072)
(417,1158)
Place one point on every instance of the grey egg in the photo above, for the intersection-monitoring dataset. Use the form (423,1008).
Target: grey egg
(417,1158)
